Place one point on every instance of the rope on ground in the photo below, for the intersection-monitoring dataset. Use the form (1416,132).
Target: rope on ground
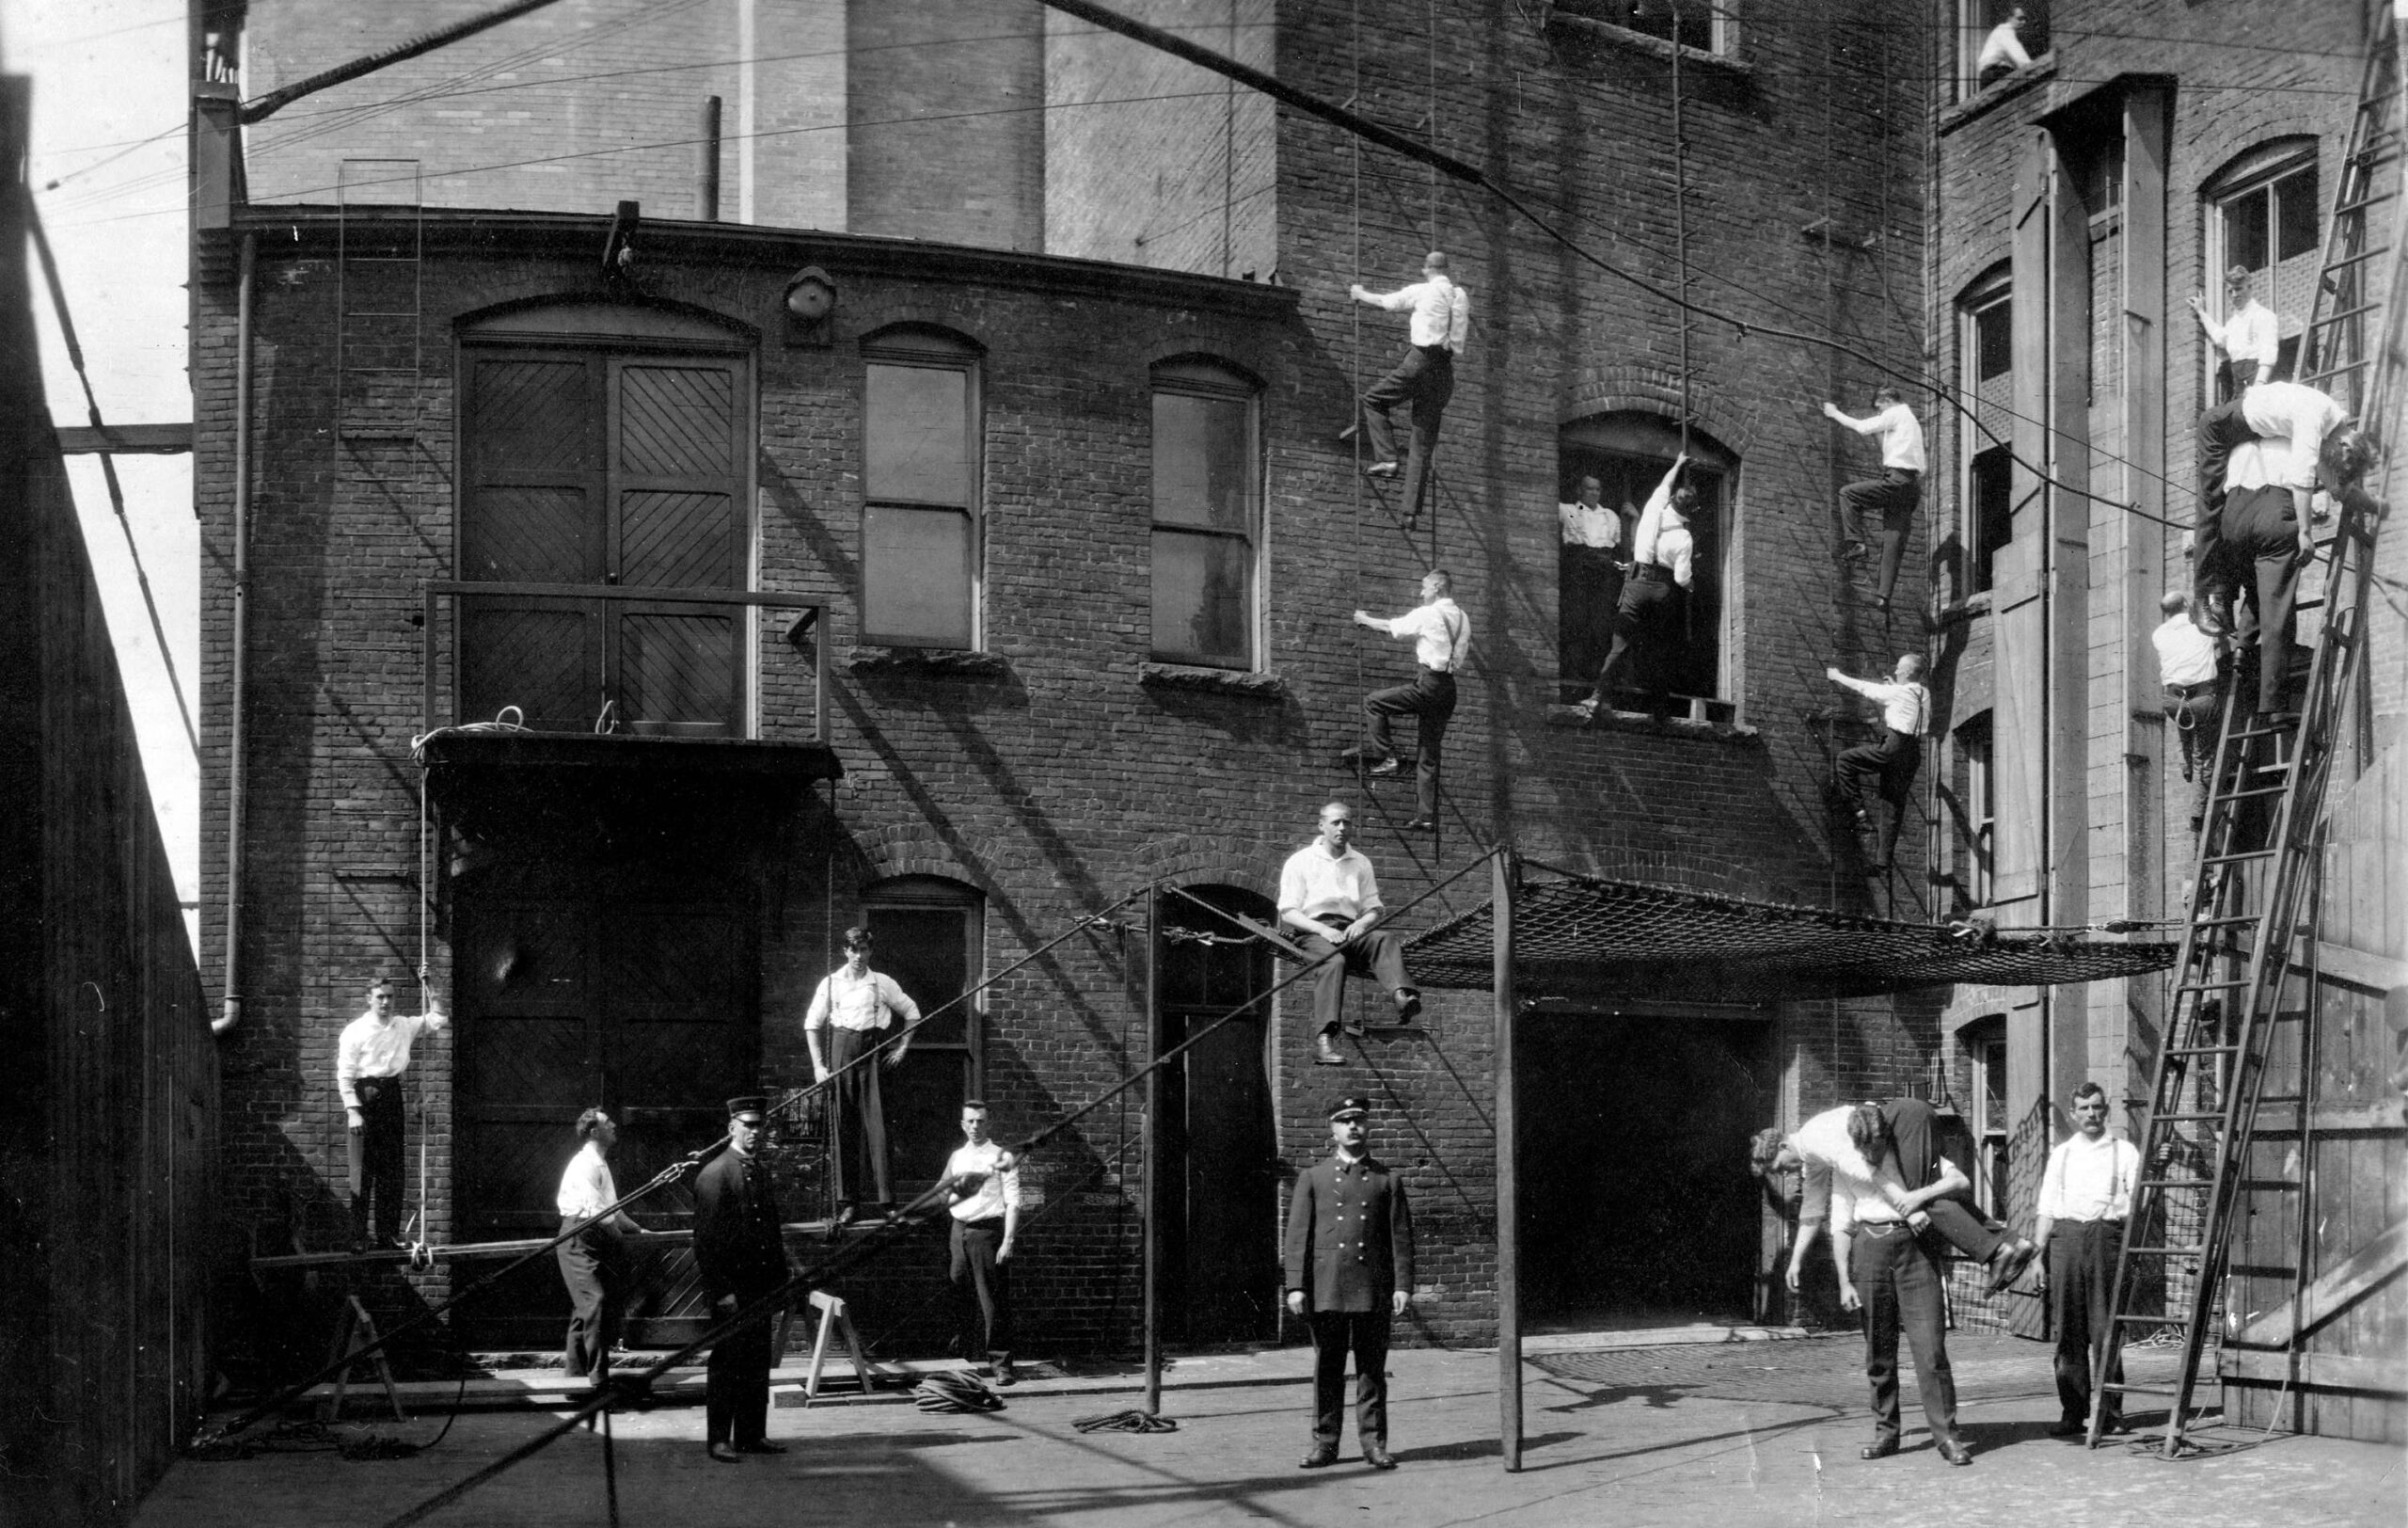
(956,1390)
(1131,1421)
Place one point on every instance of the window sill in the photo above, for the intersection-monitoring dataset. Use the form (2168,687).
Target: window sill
(931,662)
(1608,34)
(1990,96)
(1246,684)
(1967,609)
(1697,729)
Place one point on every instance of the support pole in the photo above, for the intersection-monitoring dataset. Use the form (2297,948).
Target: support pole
(706,143)
(1509,1250)
(1153,1127)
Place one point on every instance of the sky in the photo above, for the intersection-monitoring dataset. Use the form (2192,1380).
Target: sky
(108,116)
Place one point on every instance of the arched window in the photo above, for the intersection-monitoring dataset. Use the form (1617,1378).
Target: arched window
(2262,215)
(1629,453)
(930,935)
(1207,513)
(921,451)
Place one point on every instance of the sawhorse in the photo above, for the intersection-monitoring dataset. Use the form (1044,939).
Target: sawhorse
(356,1331)
(836,1324)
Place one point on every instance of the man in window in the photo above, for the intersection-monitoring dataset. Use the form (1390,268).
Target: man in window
(2250,336)
(2187,661)
(844,1027)
(370,1055)
(1649,625)
(1895,494)
(2085,1194)
(1878,777)
(1424,378)
(1328,894)
(1441,634)
(1588,578)
(2002,51)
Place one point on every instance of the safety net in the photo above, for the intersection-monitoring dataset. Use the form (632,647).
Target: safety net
(1581,937)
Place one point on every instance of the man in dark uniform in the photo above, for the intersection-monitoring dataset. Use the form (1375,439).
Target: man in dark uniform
(1349,1274)
(742,1256)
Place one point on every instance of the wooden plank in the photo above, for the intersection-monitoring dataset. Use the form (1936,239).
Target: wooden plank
(2387,1375)
(2282,1119)
(125,439)
(2340,1286)
(2360,968)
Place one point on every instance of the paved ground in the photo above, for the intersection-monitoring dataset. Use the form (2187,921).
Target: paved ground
(1734,1435)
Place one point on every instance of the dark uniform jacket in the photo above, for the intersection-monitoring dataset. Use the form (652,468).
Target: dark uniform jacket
(737,1246)
(1350,1236)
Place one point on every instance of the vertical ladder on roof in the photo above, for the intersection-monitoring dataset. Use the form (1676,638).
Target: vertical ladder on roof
(380,240)
(2242,972)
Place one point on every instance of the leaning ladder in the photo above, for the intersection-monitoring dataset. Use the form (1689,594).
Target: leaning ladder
(2256,864)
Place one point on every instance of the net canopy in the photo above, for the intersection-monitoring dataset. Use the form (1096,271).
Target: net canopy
(1584,938)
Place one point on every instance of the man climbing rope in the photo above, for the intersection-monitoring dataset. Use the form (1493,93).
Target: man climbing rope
(370,1058)
(1897,493)
(1648,624)
(1879,776)
(1441,634)
(1425,377)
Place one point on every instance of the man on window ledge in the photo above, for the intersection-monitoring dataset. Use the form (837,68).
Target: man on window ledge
(1441,634)
(1649,625)
(1424,378)
(2251,336)
(845,1023)
(1588,579)
(2002,51)
(1328,894)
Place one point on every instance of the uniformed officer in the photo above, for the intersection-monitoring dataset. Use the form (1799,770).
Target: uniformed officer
(741,1255)
(1349,1274)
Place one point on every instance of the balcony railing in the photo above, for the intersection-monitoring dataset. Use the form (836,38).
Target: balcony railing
(587,657)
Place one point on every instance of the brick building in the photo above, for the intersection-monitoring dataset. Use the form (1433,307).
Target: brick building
(1059,475)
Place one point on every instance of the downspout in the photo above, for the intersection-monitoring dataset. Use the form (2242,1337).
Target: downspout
(236,779)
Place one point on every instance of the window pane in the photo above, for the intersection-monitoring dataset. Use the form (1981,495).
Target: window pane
(2296,213)
(1992,503)
(1994,341)
(677,673)
(916,575)
(917,446)
(1199,598)
(2244,231)
(1202,474)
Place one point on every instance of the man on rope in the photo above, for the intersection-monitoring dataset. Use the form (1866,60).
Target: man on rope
(1879,776)
(593,1262)
(1348,1259)
(1895,494)
(1425,377)
(741,1254)
(848,1017)
(369,1060)
(1649,625)
(1328,894)
(1441,634)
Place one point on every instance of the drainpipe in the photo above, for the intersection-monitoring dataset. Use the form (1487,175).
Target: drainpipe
(236,780)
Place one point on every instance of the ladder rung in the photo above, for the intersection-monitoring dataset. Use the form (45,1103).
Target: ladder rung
(2128,1387)
(2155,1321)
(2345,208)
(2212,986)
(2177,1183)
(2253,790)
(2178,1119)
(2164,1252)
(2267,1185)
(2201,1050)
(2358,259)
(2360,310)
(2236,858)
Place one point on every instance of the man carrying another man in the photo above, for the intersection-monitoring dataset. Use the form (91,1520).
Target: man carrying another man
(981,1184)
(1328,895)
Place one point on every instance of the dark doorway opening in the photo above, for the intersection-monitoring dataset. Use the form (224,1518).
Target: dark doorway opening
(1220,1188)
(1636,1205)
(928,934)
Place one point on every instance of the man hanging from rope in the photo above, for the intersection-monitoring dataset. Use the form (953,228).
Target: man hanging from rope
(1649,625)
(1895,494)
(1441,634)
(370,1058)
(1425,377)
(1879,776)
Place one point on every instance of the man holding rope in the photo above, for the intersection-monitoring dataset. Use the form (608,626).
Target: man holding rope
(848,1020)
(369,1060)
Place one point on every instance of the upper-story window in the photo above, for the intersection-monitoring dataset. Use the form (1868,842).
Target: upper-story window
(605,447)
(1628,453)
(1207,494)
(2262,218)
(920,461)
(1986,351)
(1707,25)
(1984,52)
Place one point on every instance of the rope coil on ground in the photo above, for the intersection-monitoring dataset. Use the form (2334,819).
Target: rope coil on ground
(1131,1421)
(956,1390)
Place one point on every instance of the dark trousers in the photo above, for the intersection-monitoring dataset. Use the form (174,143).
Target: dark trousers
(1426,379)
(2235,377)
(1647,631)
(983,1287)
(594,1264)
(1377,954)
(1879,776)
(1587,587)
(736,1391)
(2081,1271)
(2192,712)
(1894,496)
(1898,1280)
(1364,1334)
(857,1120)
(1431,697)
(2259,541)
(376,1158)
(2220,429)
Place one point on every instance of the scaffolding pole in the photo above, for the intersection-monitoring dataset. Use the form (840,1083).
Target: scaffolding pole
(1503,873)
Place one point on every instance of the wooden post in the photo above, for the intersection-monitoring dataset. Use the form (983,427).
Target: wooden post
(1153,1127)
(1509,1294)
(706,163)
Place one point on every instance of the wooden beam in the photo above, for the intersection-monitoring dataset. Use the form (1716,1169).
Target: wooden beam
(2315,1371)
(2376,973)
(2277,1120)
(1508,1241)
(2340,1286)
(125,439)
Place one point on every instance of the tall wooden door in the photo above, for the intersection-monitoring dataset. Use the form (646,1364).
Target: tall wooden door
(634,992)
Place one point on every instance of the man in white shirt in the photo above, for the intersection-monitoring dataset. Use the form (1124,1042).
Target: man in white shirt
(1425,377)
(370,1058)
(2002,51)
(1329,897)
(1879,775)
(1895,494)
(845,1023)
(2187,662)
(1441,634)
(1839,1143)
(2085,1196)
(1650,625)
(1587,579)
(2250,336)
(982,1180)
(593,1262)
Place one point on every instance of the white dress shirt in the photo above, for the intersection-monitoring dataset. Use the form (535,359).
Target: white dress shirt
(587,1187)
(2002,46)
(1901,435)
(2089,1180)
(998,1193)
(868,1001)
(1440,630)
(2251,333)
(2294,413)
(2185,654)
(1441,311)
(1590,525)
(376,1051)
(1662,535)
(1906,706)
(1315,882)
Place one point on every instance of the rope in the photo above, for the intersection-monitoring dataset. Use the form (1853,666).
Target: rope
(1131,1421)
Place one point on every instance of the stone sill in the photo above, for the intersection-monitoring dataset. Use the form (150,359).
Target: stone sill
(1623,37)
(1244,684)
(1969,607)
(1735,733)
(1998,91)
(931,662)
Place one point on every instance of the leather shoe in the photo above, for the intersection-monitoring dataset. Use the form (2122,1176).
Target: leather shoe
(1379,1458)
(1386,767)
(2007,1265)
(1381,470)
(1321,1458)
(760,1445)
(725,1454)
(2070,1427)
(1954,1450)
(1408,1005)
(1325,1054)
(1421,824)
(1880,1448)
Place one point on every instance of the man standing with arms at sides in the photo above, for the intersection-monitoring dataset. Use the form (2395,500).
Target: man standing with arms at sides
(1895,494)
(370,1058)
(1588,579)
(1328,894)
(1441,634)
(1349,1262)
(2085,1194)
(1879,776)
(982,1182)
(741,1253)
(1648,628)
(1424,378)
(1886,1271)
(593,1263)
(848,1018)
(2250,336)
